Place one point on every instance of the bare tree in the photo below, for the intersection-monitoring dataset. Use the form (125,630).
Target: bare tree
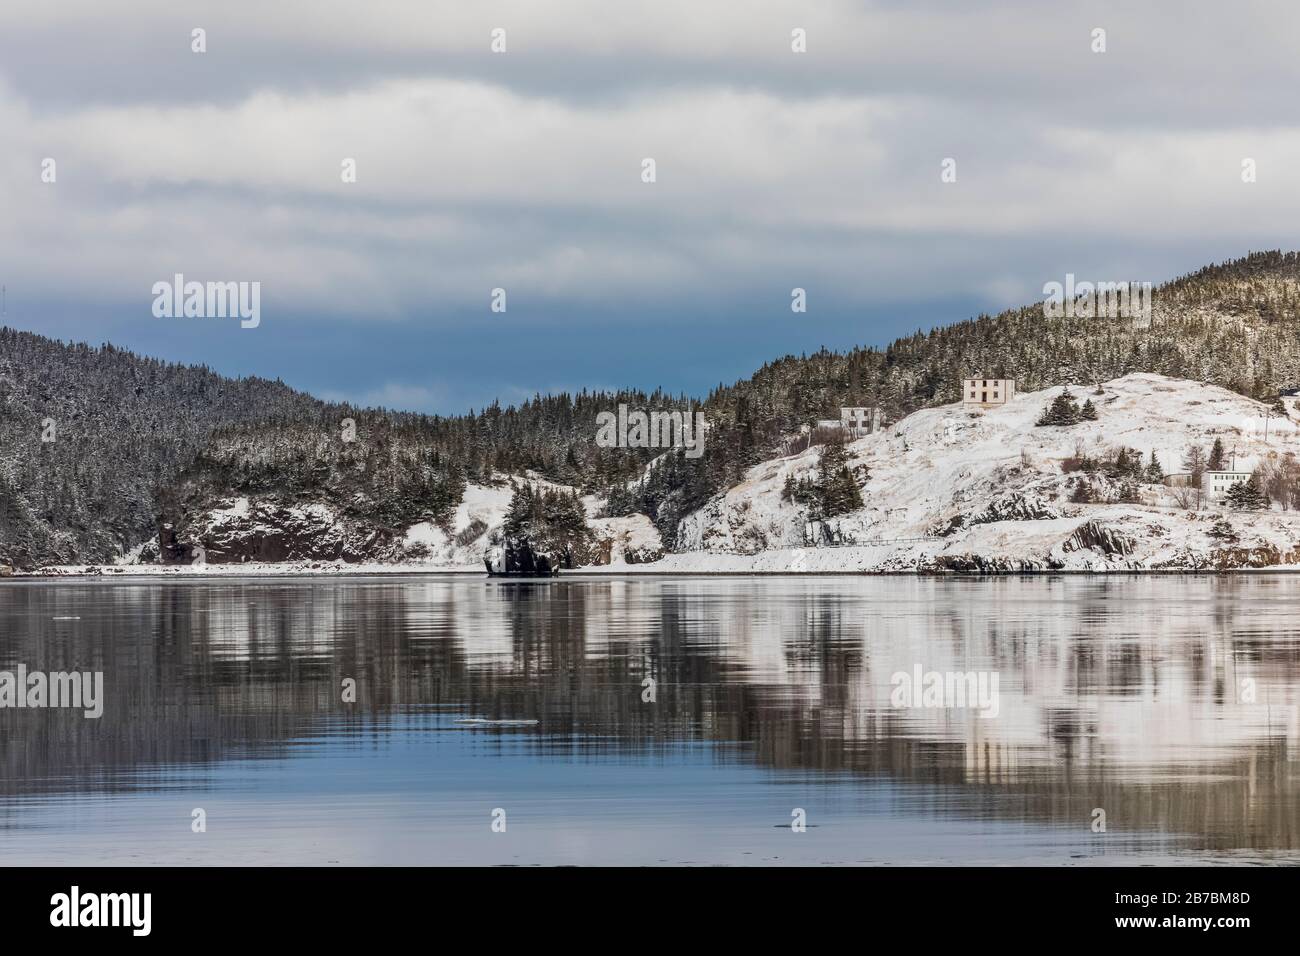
(1185,496)
(1195,462)
(1280,480)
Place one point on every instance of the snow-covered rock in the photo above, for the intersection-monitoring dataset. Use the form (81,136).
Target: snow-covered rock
(970,489)
(622,541)
(255,532)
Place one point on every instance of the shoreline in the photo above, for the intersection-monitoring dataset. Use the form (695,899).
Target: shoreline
(140,573)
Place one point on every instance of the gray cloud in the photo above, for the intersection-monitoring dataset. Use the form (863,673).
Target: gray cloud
(522,170)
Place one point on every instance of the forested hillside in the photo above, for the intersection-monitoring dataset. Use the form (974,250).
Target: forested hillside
(1236,325)
(114,426)
(127,426)
(374,473)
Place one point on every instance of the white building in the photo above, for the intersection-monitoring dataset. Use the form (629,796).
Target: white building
(856,421)
(988,391)
(1217,483)
(860,420)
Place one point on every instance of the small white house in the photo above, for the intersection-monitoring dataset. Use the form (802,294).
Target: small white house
(1217,483)
(860,420)
(988,391)
(855,421)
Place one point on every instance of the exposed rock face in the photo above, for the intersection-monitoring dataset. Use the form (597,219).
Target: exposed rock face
(171,549)
(1011,506)
(982,564)
(279,528)
(1015,506)
(268,530)
(280,491)
(632,539)
(1229,559)
(1098,537)
(516,557)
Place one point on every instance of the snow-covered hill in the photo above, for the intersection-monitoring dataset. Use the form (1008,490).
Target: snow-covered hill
(951,488)
(957,488)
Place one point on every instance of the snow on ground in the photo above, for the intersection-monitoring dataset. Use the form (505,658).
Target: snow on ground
(631,539)
(941,463)
(484,507)
(238,509)
(954,488)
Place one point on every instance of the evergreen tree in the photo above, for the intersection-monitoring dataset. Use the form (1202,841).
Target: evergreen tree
(131,425)
(1089,412)
(1064,410)
(1083,493)
(1125,464)
(1223,531)
(1247,495)
(1119,465)
(1215,461)
(549,521)
(522,512)
(838,490)
(1155,474)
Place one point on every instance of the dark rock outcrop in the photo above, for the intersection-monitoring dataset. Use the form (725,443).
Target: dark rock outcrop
(1015,506)
(516,557)
(1012,506)
(983,564)
(1264,556)
(269,530)
(1097,537)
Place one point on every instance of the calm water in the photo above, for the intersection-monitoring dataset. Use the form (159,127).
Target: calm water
(1168,702)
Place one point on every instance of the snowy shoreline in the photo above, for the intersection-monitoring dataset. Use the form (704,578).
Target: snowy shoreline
(664,568)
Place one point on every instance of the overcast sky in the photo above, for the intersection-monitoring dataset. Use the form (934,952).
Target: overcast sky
(522,170)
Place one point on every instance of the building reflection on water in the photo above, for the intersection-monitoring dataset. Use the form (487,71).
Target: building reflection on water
(1169,701)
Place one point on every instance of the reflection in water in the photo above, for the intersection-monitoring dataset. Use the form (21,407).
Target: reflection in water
(1169,702)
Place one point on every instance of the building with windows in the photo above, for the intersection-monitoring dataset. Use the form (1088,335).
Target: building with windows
(988,391)
(860,420)
(1217,483)
(855,421)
